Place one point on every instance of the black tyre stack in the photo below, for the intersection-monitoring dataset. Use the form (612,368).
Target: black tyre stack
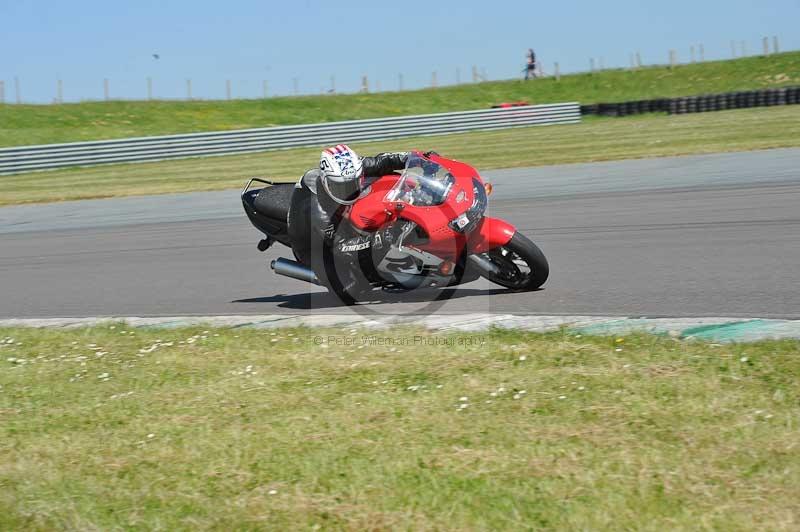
(609,109)
(691,104)
(698,104)
(672,107)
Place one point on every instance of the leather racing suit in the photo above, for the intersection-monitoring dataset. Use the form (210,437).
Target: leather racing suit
(337,245)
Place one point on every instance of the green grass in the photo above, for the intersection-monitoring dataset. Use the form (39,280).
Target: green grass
(594,140)
(107,429)
(42,124)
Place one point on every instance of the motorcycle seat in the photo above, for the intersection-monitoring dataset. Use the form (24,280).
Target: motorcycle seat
(274,201)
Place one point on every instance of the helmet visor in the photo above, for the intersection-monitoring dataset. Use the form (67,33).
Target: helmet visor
(344,191)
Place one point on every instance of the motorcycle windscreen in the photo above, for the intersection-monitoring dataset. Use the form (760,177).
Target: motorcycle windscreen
(423,183)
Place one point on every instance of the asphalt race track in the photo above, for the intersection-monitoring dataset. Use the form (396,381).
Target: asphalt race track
(714,235)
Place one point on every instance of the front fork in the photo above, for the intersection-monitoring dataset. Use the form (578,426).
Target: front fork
(490,233)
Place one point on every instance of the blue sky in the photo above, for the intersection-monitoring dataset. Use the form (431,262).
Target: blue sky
(84,41)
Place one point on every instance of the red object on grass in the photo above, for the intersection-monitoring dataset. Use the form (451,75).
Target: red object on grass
(506,105)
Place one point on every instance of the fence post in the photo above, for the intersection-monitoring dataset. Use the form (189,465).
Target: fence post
(557,72)
(2,91)
(149,88)
(16,89)
(60,92)
(775,45)
(765,45)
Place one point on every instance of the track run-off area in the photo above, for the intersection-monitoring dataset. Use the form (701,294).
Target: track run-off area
(710,235)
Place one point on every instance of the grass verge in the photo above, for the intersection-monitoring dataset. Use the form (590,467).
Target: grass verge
(111,428)
(596,139)
(44,124)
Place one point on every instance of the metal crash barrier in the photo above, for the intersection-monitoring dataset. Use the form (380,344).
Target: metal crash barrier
(51,156)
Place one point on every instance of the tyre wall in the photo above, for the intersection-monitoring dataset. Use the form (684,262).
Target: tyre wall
(703,103)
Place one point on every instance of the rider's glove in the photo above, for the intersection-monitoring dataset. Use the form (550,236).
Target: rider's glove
(429,153)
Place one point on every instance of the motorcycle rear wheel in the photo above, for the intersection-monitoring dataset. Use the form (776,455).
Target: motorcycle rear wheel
(519,265)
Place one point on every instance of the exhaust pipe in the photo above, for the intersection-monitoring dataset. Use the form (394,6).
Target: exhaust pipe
(295,270)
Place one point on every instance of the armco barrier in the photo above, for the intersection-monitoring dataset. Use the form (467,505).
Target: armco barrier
(29,158)
(698,104)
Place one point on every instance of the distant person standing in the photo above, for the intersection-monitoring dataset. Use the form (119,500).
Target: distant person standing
(530,64)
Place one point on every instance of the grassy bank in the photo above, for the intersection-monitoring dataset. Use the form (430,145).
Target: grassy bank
(110,428)
(594,140)
(42,124)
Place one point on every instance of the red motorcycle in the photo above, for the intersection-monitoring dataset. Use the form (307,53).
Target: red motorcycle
(433,222)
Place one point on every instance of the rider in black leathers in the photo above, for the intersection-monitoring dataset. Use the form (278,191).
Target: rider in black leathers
(335,244)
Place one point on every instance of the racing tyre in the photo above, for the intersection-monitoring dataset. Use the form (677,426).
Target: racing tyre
(519,265)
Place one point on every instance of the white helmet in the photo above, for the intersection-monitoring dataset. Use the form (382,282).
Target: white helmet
(342,174)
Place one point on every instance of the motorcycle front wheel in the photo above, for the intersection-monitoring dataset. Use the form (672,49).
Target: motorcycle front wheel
(518,265)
